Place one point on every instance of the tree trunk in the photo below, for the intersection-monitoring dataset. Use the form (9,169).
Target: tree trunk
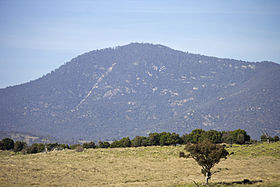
(207,178)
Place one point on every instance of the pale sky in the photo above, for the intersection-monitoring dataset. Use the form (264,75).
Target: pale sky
(37,37)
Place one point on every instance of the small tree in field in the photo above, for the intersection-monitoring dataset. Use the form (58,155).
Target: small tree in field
(206,154)
(7,144)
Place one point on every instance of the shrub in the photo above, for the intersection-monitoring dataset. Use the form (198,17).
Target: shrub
(213,136)
(103,144)
(182,155)
(63,146)
(7,144)
(238,136)
(140,141)
(51,146)
(89,145)
(197,135)
(36,148)
(19,146)
(266,138)
(124,142)
(154,138)
(164,138)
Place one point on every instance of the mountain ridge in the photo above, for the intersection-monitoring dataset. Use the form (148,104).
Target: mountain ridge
(140,88)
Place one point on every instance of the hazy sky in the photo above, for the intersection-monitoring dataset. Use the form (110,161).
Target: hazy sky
(39,36)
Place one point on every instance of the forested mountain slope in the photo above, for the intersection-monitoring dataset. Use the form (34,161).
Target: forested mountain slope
(140,88)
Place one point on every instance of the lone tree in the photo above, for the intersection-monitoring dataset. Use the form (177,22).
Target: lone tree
(206,154)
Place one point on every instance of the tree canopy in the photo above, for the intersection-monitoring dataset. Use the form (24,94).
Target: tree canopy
(207,154)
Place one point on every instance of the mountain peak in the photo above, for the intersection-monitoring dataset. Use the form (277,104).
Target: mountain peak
(139,88)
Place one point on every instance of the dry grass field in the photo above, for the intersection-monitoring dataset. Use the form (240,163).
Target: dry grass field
(144,166)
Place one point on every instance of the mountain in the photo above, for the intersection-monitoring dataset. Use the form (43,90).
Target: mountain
(140,88)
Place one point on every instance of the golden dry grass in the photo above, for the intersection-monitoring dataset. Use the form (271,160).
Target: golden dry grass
(144,166)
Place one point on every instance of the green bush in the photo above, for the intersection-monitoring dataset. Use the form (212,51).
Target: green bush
(103,144)
(238,136)
(154,138)
(63,146)
(53,146)
(36,148)
(19,146)
(124,142)
(140,141)
(169,139)
(213,136)
(7,144)
(196,136)
(89,145)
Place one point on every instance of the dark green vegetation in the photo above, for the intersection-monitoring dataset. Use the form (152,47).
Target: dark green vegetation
(7,144)
(207,154)
(267,138)
(154,139)
(138,88)
(19,146)
(198,135)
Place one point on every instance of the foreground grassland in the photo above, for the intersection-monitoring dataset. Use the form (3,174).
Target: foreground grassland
(144,166)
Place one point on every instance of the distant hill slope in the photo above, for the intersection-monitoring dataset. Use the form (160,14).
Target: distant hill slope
(140,88)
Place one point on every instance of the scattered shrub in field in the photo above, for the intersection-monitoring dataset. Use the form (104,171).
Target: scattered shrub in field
(182,155)
(79,148)
(103,144)
(19,146)
(89,145)
(276,138)
(36,148)
(206,154)
(7,144)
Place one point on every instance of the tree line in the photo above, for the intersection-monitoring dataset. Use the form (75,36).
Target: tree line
(238,136)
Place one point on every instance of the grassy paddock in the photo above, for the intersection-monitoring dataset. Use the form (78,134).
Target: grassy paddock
(144,166)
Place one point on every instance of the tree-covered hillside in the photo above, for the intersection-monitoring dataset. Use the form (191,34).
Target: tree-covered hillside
(141,88)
